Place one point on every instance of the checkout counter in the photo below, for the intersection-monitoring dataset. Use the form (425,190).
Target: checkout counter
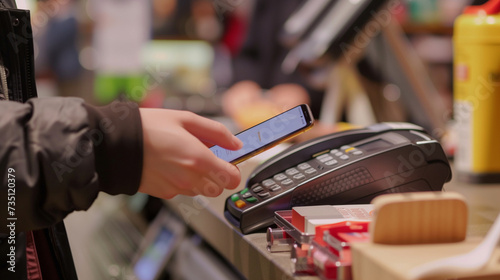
(208,246)
(248,253)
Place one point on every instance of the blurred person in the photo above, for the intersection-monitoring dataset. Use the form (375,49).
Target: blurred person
(163,15)
(56,40)
(57,154)
(203,22)
(173,19)
(260,88)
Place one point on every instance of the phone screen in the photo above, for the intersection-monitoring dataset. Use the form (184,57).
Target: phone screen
(267,133)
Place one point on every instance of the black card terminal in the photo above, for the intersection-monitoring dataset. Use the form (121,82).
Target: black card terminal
(349,167)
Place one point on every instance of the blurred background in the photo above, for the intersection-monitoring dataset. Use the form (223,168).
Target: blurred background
(192,54)
(239,62)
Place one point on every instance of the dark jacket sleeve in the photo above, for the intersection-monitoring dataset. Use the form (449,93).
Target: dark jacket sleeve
(8,4)
(56,154)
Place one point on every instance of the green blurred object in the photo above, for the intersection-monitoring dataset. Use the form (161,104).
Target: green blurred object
(109,87)
(424,11)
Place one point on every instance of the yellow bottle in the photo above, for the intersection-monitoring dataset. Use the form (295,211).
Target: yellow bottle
(476,86)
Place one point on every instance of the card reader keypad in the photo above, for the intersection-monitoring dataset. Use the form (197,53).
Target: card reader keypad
(283,181)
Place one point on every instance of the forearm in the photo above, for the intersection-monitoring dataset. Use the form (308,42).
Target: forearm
(52,148)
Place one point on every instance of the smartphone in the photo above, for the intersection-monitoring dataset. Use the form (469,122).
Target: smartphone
(268,134)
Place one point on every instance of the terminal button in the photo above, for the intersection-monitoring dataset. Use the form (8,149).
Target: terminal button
(291,171)
(264,194)
(257,189)
(350,149)
(246,195)
(325,159)
(287,182)
(251,199)
(240,203)
(275,188)
(303,166)
(299,176)
(310,171)
(268,183)
(322,156)
(331,162)
(279,177)
(235,197)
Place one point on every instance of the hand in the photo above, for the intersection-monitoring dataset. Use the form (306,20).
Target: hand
(176,155)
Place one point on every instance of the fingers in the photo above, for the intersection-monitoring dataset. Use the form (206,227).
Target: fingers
(211,131)
(176,161)
(224,174)
(205,163)
(213,169)
(191,184)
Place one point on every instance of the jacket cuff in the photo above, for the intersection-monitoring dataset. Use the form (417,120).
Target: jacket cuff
(116,130)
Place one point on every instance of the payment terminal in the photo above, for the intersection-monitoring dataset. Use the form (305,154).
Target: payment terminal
(348,167)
